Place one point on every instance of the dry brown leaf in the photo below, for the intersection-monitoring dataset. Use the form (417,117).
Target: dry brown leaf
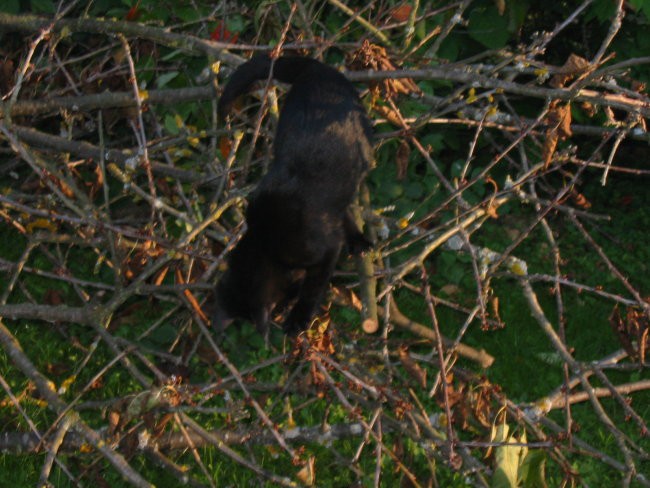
(412,368)
(347,297)
(97,184)
(62,185)
(137,256)
(633,331)
(574,66)
(158,424)
(53,297)
(401,12)
(560,118)
(389,113)
(638,86)
(113,421)
(373,57)
(491,210)
(180,279)
(307,474)
(558,121)
(482,406)
(589,108)
(402,159)
(494,306)
(225,144)
(450,289)
(580,200)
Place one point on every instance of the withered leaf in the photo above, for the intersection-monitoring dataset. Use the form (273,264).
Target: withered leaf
(180,279)
(580,200)
(346,297)
(62,185)
(307,474)
(402,159)
(558,121)
(97,184)
(373,57)
(633,331)
(389,113)
(413,368)
(574,66)
(225,144)
(401,12)
(113,421)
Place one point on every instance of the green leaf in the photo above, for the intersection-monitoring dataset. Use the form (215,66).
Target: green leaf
(392,190)
(603,10)
(517,14)
(42,6)
(435,140)
(451,267)
(450,47)
(235,23)
(188,14)
(413,190)
(488,27)
(507,459)
(170,125)
(421,30)
(532,471)
(641,6)
(457,168)
(165,78)
(165,334)
(10,6)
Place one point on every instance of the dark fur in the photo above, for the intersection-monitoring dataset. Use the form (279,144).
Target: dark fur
(298,217)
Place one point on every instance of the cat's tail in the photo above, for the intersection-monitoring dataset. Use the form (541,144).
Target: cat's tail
(261,67)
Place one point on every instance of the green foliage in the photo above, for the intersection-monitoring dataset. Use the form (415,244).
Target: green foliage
(488,27)
(10,6)
(405,187)
(515,464)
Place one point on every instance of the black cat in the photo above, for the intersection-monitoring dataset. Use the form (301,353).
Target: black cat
(298,217)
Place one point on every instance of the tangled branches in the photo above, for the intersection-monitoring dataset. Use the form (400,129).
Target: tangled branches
(121,197)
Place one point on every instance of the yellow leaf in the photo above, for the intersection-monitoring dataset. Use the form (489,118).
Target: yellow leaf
(215,67)
(307,474)
(519,268)
(471,95)
(40,224)
(66,384)
(143,94)
(85,448)
(179,121)
(193,141)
